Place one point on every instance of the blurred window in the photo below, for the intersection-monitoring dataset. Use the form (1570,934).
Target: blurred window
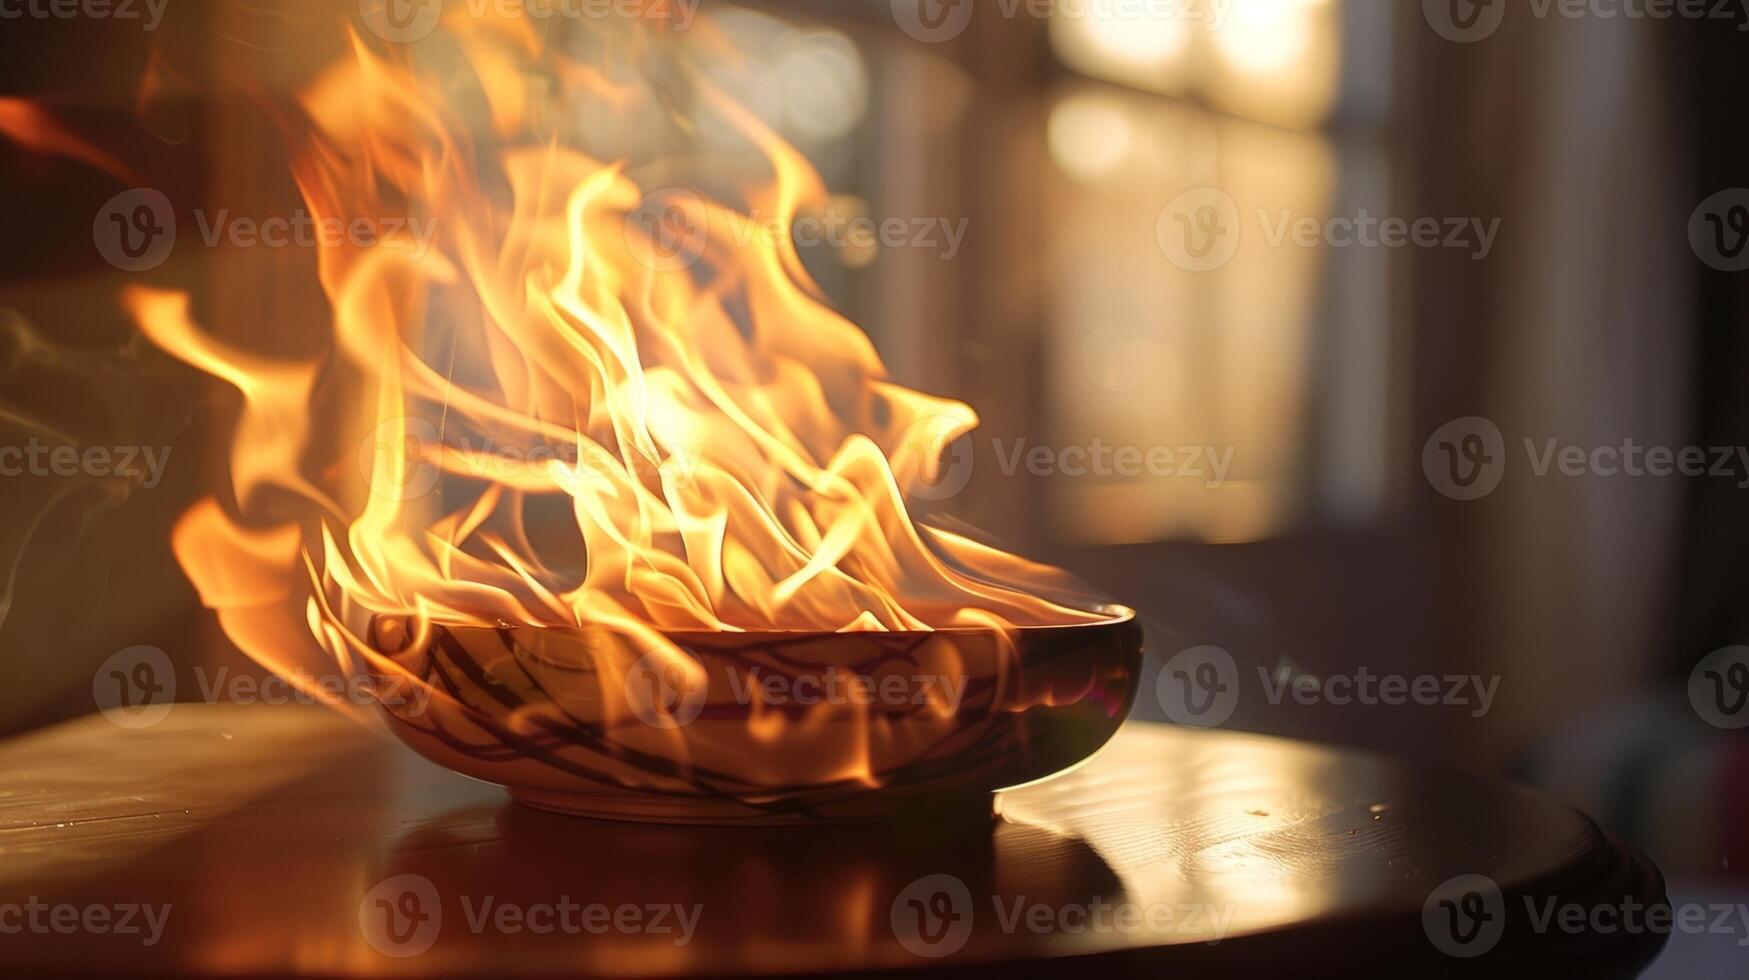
(1214,159)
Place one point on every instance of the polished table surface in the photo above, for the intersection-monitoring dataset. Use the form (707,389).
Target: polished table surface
(290,840)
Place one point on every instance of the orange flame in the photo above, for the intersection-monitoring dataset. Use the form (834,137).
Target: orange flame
(583,404)
(28,125)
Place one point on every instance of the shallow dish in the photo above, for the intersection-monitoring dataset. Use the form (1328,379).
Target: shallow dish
(762,728)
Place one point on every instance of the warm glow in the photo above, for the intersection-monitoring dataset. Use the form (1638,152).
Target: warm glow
(596,401)
(1090,135)
(1265,37)
(1136,46)
(1136,39)
(1273,60)
(1147,354)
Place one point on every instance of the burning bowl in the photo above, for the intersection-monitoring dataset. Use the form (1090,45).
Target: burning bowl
(760,727)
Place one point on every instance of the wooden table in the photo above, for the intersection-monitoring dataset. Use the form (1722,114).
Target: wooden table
(290,840)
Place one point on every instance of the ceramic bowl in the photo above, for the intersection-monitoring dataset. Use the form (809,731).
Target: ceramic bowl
(762,728)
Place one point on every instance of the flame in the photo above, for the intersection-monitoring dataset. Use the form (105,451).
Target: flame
(590,402)
(32,127)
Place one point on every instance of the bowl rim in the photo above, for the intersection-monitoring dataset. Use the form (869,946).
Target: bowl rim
(1115,615)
